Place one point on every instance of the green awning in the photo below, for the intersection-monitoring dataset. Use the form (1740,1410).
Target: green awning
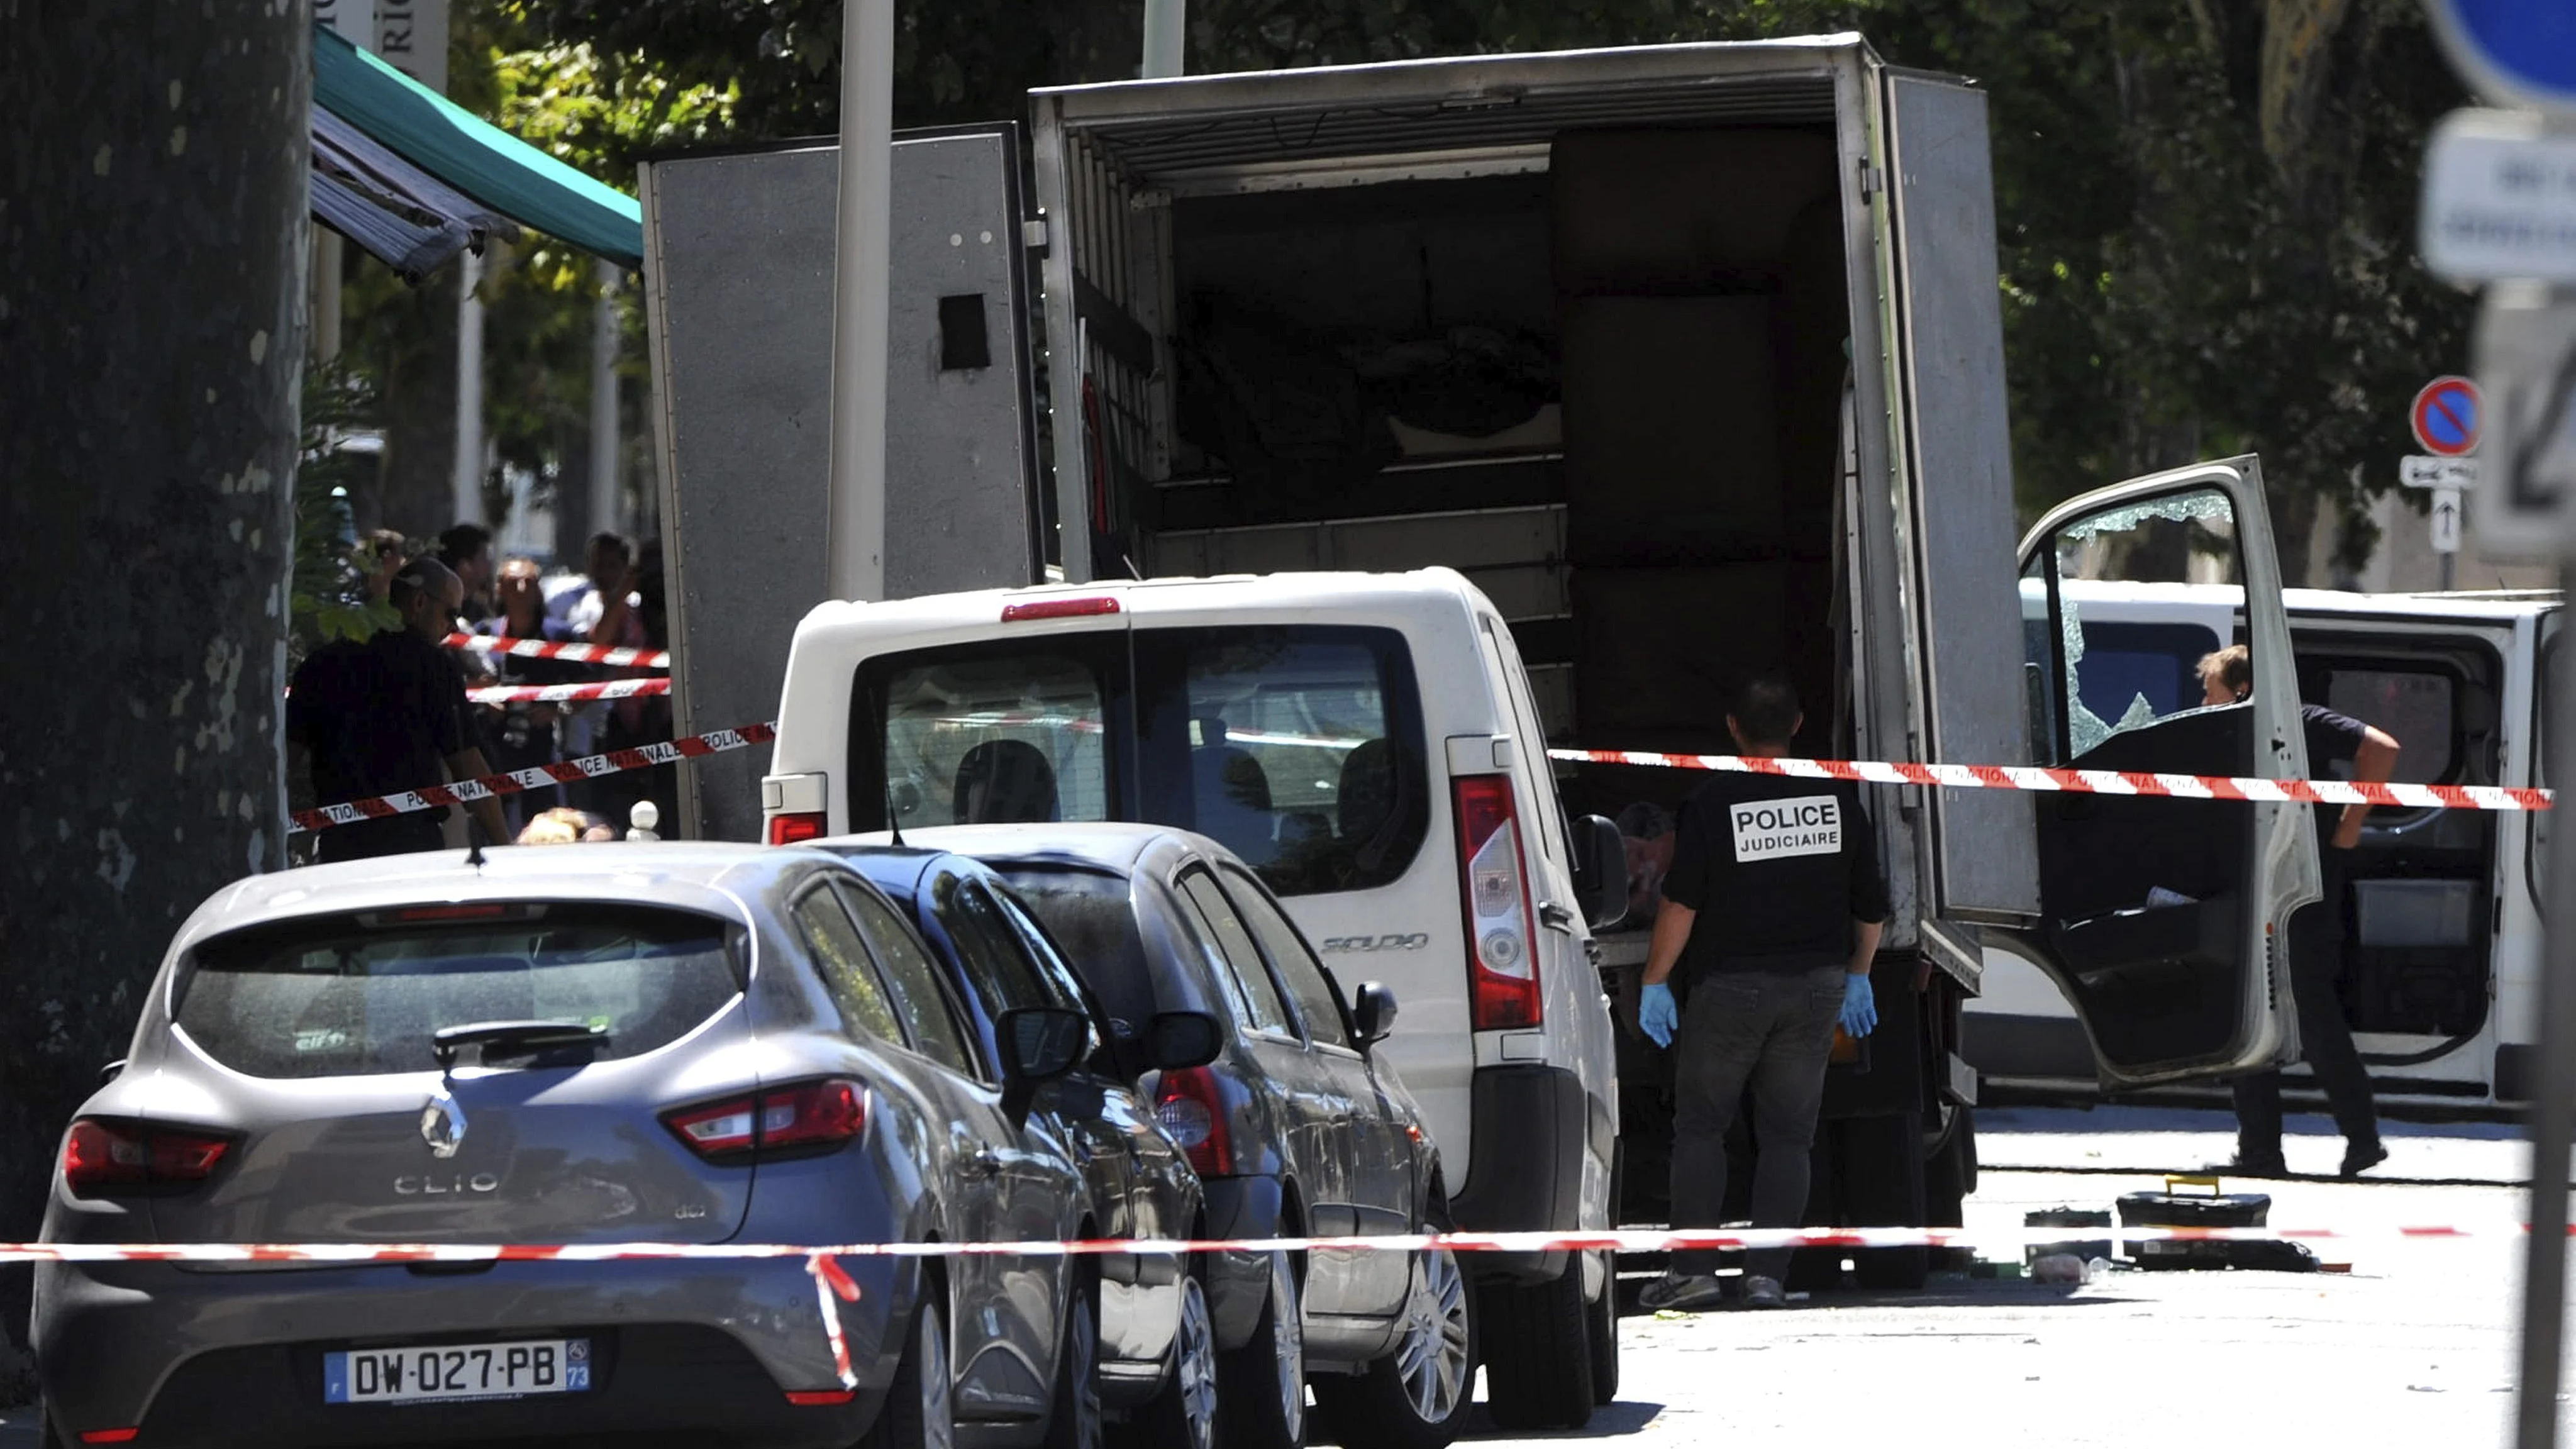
(472,155)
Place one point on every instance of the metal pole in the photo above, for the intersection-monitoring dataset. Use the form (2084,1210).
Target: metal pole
(469,394)
(855,515)
(604,510)
(328,268)
(2553,1108)
(1166,30)
(2448,572)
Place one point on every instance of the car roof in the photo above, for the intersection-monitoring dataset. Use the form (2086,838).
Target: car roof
(1343,594)
(1114,845)
(708,877)
(895,869)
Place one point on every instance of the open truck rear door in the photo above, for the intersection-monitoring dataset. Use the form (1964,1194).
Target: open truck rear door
(1957,452)
(2165,918)
(738,312)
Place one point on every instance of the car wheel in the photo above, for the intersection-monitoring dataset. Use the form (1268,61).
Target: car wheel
(1419,1395)
(1074,1420)
(1538,1355)
(1183,1414)
(918,1413)
(1261,1387)
(1604,1334)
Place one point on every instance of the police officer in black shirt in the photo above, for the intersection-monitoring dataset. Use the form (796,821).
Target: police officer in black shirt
(1772,912)
(386,716)
(2316,943)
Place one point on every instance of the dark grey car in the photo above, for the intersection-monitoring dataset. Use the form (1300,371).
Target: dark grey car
(1295,1127)
(688,1044)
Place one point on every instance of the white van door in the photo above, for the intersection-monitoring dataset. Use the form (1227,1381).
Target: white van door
(2163,918)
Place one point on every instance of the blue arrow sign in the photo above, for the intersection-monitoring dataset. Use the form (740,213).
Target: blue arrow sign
(2520,50)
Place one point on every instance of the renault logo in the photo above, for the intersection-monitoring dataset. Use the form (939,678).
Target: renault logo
(442,1125)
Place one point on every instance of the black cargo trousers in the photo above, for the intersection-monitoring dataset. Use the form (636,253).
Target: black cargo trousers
(2325,1037)
(1773,1031)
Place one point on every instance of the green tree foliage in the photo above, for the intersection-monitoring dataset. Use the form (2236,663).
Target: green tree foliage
(2205,207)
(326,599)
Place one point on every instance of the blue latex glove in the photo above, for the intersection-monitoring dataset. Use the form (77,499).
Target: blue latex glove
(1657,1016)
(1860,1007)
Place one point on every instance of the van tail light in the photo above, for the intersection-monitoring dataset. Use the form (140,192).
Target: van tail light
(795,826)
(1060,609)
(110,1436)
(1502,971)
(807,1118)
(1192,1110)
(102,1158)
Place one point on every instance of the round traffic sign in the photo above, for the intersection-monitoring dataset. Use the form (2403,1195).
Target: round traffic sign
(2445,417)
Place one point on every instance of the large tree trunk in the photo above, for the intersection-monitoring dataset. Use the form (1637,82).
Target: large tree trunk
(152,313)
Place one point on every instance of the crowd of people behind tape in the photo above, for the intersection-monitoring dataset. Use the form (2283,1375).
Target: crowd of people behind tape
(615,599)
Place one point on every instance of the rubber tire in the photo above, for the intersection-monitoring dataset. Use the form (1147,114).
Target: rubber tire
(1074,1417)
(1538,1357)
(1170,1420)
(904,1421)
(1604,1332)
(1252,1407)
(1372,1410)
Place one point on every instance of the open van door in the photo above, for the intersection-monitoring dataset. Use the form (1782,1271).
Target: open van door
(2165,919)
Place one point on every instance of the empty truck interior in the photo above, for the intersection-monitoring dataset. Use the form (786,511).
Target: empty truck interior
(1594,359)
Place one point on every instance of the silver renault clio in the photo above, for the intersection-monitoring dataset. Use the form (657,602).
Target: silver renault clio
(670,1044)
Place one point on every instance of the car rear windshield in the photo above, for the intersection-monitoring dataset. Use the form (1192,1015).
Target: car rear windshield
(361,996)
(1087,912)
(1298,747)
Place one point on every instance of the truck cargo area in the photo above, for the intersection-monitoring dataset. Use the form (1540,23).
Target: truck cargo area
(1597,364)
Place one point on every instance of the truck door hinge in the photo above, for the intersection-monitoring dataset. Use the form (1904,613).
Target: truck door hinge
(1872,181)
(1033,233)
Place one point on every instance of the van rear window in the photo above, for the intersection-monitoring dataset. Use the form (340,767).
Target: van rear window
(338,996)
(1299,747)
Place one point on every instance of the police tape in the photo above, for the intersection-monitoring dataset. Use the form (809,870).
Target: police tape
(568,693)
(535,777)
(548,649)
(1614,1240)
(2093,782)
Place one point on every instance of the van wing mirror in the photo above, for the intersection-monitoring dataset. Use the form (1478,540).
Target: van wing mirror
(1600,872)
(1373,1013)
(1179,1040)
(1041,1043)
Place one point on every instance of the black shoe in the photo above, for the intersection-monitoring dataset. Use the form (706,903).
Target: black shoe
(2243,1166)
(2360,1157)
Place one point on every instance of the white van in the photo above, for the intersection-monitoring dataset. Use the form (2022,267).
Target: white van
(1368,743)
(2441,908)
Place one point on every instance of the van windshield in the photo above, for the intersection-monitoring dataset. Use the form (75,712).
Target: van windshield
(1298,747)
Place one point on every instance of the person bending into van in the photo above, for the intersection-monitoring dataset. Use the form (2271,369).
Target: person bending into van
(1785,875)
(2316,943)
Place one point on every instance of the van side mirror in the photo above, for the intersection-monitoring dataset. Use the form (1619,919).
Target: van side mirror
(1041,1043)
(1600,872)
(1373,1013)
(1178,1040)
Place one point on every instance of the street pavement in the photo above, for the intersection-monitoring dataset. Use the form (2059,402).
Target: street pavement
(2414,1346)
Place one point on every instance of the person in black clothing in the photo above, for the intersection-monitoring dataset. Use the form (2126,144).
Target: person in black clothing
(2316,943)
(386,716)
(1771,917)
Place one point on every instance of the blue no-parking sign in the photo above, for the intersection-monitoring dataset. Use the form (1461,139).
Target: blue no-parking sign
(2512,50)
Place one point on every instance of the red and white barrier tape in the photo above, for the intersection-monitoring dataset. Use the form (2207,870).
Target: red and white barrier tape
(1623,1240)
(567,693)
(535,777)
(2097,782)
(547,649)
